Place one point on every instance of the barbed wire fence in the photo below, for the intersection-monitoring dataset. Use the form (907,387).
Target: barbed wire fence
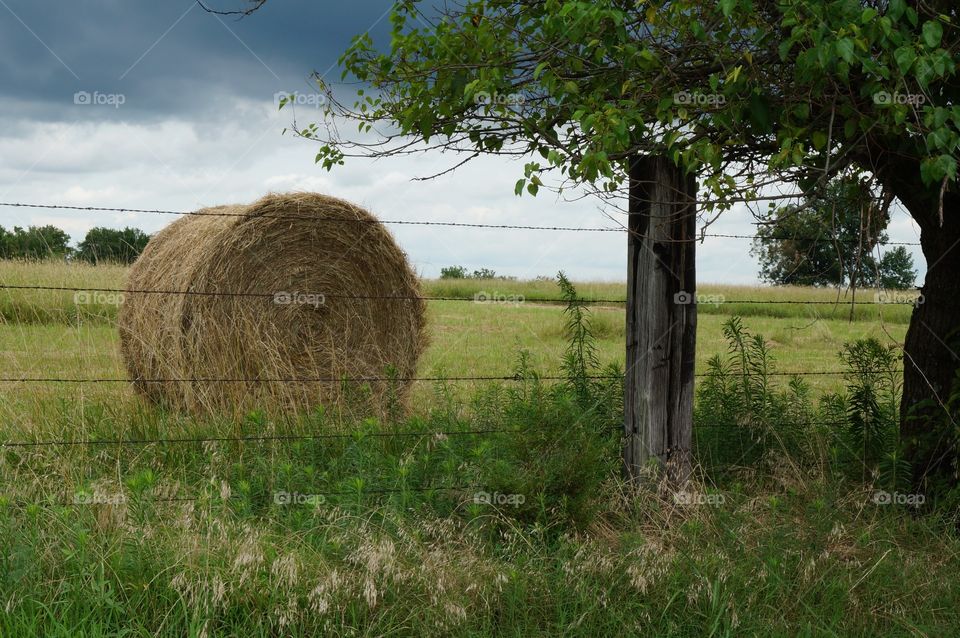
(506,378)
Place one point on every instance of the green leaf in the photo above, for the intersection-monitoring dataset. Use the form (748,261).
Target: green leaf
(845,49)
(784,48)
(819,140)
(938,139)
(905,57)
(925,71)
(648,59)
(934,169)
(932,32)
(849,129)
(727,7)
(912,16)
(697,30)
(947,166)
(942,63)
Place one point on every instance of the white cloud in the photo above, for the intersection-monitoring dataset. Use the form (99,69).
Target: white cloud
(178,164)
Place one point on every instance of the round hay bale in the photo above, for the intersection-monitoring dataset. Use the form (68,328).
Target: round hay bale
(305,274)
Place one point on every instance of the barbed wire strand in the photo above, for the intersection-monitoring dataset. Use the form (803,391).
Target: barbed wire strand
(201,213)
(437,379)
(253,438)
(121,498)
(697,425)
(479,298)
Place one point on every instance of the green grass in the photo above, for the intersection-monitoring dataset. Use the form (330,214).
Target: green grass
(21,306)
(47,332)
(182,539)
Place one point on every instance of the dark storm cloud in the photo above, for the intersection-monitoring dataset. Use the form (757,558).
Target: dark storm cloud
(167,58)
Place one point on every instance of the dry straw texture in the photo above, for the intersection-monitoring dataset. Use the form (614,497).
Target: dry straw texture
(289,246)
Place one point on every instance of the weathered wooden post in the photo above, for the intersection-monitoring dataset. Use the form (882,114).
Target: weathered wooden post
(661,319)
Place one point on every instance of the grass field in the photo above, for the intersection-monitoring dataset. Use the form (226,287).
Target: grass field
(384,534)
(55,334)
(480,338)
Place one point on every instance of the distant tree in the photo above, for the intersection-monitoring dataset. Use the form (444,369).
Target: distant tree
(6,243)
(35,242)
(827,243)
(460,272)
(896,269)
(453,272)
(112,245)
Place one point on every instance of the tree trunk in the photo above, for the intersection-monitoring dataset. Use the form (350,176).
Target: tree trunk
(932,350)
(661,319)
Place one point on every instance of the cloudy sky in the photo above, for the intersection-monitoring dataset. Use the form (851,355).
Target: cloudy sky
(162,105)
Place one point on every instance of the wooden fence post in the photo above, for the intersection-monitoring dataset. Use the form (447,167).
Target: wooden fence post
(661,319)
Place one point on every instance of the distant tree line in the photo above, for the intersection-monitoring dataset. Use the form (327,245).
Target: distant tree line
(101,245)
(461,272)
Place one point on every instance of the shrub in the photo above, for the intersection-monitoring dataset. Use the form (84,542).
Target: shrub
(871,434)
(742,419)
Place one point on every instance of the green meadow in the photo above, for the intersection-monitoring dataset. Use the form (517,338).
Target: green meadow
(492,508)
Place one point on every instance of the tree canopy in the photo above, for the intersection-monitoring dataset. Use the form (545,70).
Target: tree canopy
(745,93)
(99,245)
(832,243)
(112,245)
(895,270)
(34,242)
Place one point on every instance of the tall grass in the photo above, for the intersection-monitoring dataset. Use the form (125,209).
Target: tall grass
(60,307)
(500,512)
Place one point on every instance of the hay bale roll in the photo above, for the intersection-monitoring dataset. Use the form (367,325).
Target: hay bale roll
(305,272)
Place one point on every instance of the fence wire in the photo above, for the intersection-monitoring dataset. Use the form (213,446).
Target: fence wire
(401,222)
(475,299)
